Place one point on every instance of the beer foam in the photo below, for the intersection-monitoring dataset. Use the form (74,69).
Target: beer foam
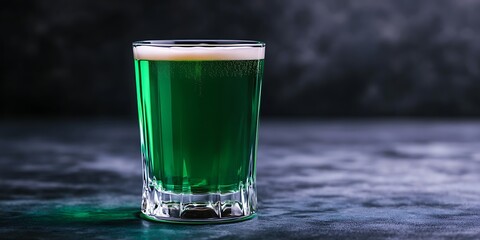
(198,53)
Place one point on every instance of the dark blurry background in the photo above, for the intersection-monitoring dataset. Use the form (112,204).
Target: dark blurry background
(326,58)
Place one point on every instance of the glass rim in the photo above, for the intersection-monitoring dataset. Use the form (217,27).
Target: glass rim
(199,43)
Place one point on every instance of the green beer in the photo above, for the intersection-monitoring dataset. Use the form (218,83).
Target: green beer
(198,104)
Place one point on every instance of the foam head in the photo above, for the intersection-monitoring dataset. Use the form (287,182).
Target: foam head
(198,53)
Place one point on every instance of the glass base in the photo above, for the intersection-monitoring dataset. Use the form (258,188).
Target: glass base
(199,208)
(182,221)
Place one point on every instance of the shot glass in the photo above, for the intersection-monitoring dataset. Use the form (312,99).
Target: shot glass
(198,110)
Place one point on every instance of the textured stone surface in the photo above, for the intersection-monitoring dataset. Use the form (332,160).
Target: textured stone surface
(335,180)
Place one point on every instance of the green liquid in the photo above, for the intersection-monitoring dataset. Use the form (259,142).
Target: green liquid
(198,123)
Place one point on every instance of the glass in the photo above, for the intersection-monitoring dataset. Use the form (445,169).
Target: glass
(198,109)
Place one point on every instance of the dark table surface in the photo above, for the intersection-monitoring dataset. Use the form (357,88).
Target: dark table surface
(329,179)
